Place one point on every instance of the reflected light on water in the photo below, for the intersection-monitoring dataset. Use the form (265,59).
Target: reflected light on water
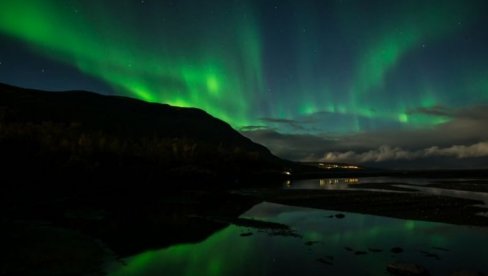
(356,244)
(331,181)
(324,183)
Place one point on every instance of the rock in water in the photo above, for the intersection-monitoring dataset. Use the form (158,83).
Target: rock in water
(396,250)
(360,253)
(407,269)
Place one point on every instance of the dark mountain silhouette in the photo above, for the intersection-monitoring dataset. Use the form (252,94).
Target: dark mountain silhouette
(84,137)
(118,116)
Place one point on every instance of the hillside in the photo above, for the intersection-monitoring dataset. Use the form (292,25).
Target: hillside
(86,137)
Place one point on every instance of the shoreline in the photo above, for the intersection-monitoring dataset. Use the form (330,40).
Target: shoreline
(412,206)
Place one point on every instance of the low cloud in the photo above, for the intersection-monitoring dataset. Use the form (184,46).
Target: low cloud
(459,151)
(388,153)
(437,110)
(253,128)
(291,123)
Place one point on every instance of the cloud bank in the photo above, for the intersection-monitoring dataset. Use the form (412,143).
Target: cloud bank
(388,153)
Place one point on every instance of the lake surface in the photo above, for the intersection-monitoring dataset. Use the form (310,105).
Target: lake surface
(418,184)
(322,244)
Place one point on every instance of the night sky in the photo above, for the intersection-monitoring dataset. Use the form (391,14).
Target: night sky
(387,82)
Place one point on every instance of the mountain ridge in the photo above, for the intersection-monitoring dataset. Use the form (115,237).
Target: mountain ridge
(87,134)
(47,100)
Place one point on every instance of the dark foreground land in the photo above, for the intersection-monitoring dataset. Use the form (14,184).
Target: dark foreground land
(77,235)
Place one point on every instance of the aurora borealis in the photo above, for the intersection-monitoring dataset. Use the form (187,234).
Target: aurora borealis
(322,71)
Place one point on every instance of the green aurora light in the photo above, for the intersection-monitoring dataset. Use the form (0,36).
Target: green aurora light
(217,56)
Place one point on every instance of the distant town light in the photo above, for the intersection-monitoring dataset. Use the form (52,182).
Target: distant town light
(287,172)
(338,166)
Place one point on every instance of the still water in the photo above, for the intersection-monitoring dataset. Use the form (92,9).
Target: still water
(322,244)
